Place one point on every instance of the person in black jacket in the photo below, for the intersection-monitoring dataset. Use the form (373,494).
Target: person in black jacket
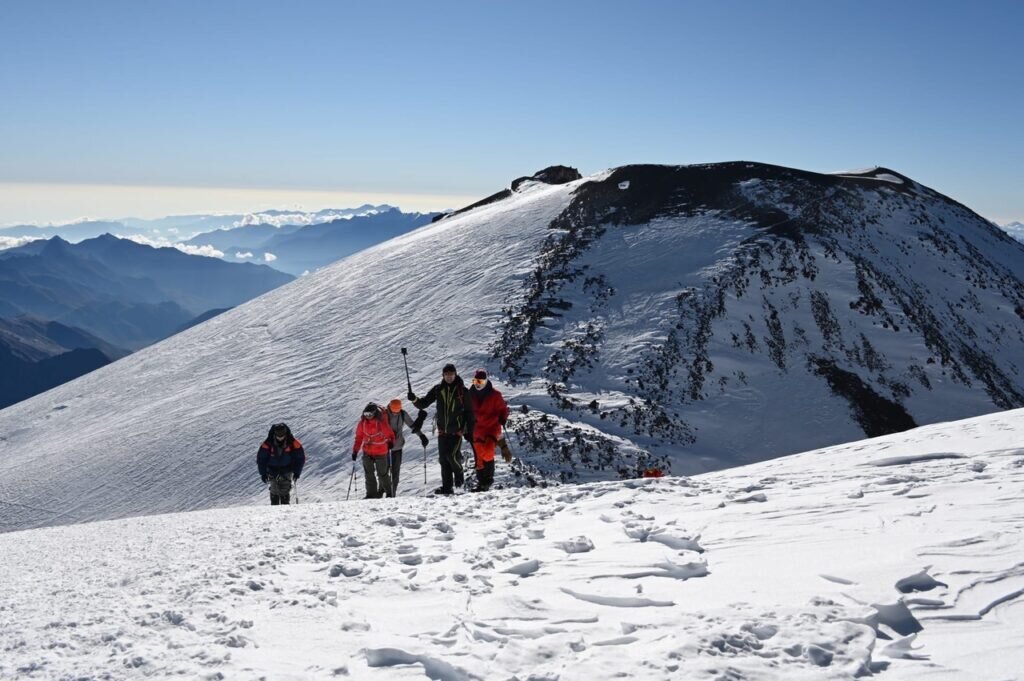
(280,460)
(454,420)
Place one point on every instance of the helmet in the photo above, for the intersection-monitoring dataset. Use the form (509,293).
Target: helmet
(371,410)
(395,405)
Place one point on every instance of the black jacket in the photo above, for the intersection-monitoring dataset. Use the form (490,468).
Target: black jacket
(454,407)
(272,459)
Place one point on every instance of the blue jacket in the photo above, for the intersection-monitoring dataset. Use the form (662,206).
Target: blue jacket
(273,460)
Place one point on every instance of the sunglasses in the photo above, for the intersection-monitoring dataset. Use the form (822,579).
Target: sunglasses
(368,414)
(480,382)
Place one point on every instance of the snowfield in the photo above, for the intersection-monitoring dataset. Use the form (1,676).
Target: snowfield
(898,556)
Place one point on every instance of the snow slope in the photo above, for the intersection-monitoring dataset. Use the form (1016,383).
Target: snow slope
(690,317)
(176,426)
(898,557)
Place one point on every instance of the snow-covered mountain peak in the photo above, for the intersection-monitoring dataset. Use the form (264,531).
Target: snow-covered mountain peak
(682,317)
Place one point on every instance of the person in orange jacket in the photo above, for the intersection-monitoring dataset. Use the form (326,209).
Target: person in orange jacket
(491,413)
(375,437)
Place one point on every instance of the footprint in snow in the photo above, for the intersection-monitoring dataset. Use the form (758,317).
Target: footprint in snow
(759,498)
(667,569)
(576,545)
(618,602)
(349,570)
(897,616)
(921,581)
(838,580)
(524,569)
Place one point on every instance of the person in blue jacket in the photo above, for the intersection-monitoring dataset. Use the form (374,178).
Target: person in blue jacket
(280,461)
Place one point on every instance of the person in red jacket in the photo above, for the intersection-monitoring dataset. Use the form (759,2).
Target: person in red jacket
(491,412)
(375,437)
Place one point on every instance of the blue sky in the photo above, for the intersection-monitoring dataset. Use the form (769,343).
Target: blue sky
(455,99)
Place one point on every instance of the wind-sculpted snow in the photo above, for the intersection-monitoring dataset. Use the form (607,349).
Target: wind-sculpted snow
(176,426)
(919,578)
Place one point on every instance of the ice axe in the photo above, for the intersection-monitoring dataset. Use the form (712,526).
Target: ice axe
(405,362)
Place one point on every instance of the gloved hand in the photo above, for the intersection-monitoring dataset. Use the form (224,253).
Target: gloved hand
(502,421)
(506,451)
(264,479)
(412,396)
(295,477)
(423,438)
(391,445)
(355,455)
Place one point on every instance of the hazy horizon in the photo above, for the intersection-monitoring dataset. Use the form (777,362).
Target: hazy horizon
(58,204)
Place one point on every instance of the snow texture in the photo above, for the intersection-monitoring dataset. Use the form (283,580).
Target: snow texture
(559,583)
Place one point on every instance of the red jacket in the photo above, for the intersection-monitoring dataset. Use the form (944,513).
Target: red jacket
(374,436)
(491,412)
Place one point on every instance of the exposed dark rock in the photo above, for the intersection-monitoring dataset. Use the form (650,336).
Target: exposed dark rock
(550,175)
(876,415)
(802,226)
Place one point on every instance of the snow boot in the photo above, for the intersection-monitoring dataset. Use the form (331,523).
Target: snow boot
(485,477)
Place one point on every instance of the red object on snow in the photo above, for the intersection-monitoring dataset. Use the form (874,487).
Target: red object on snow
(653,473)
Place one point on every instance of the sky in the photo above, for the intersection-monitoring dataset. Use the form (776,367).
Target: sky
(114,108)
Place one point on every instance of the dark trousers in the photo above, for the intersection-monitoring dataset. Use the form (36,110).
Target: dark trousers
(280,488)
(378,480)
(485,476)
(449,453)
(396,468)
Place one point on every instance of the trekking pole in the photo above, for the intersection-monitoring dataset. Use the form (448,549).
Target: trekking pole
(295,490)
(350,479)
(408,382)
(424,464)
(472,450)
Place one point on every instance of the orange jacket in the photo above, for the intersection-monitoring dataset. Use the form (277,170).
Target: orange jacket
(374,436)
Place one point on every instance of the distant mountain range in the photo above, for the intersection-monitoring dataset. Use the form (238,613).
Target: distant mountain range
(126,293)
(290,241)
(133,291)
(75,231)
(36,355)
(298,250)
